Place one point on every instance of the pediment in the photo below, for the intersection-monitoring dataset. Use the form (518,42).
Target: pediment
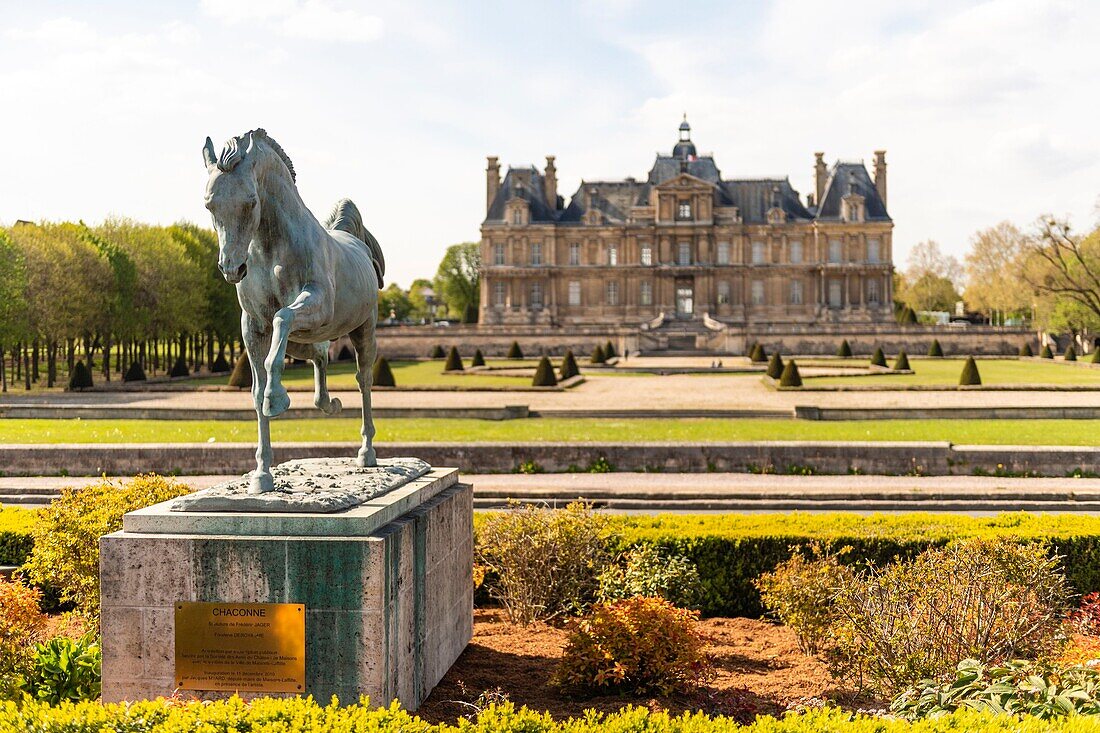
(685,182)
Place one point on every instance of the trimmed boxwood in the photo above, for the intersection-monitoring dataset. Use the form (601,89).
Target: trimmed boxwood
(438,352)
(514,351)
(381,374)
(1025,350)
(609,350)
(790,376)
(775,366)
(1046,353)
(1070,353)
(478,360)
(844,350)
(569,366)
(934,349)
(970,375)
(454,361)
(1095,358)
(878,358)
(179,369)
(242,373)
(344,354)
(134,372)
(759,355)
(221,365)
(544,374)
(598,357)
(81,378)
(902,362)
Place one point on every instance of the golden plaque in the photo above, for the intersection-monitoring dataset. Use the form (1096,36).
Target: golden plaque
(253,647)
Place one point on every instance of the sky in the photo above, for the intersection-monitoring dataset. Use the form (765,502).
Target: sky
(986,110)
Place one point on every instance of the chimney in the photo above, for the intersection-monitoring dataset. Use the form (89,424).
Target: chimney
(820,176)
(809,201)
(550,183)
(492,181)
(880,174)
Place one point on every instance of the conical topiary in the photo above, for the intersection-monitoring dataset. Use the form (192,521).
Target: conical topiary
(134,373)
(790,376)
(242,373)
(750,348)
(609,350)
(844,350)
(1095,359)
(179,369)
(759,355)
(478,360)
(345,354)
(1046,353)
(970,375)
(878,358)
(934,349)
(514,351)
(569,367)
(775,366)
(1025,350)
(598,357)
(1070,353)
(81,378)
(454,361)
(902,362)
(220,365)
(544,374)
(381,374)
(908,316)
(438,352)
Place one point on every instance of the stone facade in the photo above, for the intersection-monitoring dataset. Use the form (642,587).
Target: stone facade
(686,245)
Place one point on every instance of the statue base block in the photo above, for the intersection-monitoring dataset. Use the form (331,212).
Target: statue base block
(387,589)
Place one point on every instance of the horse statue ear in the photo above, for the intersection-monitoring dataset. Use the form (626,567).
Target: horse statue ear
(208,154)
(251,143)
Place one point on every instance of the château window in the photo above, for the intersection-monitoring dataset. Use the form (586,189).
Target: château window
(536,296)
(796,251)
(873,254)
(647,255)
(872,292)
(835,250)
(498,295)
(498,254)
(757,253)
(683,210)
(517,216)
(613,293)
(574,253)
(758,292)
(536,253)
(683,255)
(723,253)
(574,292)
(612,255)
(796,292)
(723,292)
(647,293)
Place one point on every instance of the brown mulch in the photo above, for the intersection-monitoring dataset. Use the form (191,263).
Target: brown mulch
(759,670)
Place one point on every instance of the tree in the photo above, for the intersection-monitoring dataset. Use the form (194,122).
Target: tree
(457,280)
(418,300)
(993,270)
(1064,268)
(930,279)
(393,301)
(13,302)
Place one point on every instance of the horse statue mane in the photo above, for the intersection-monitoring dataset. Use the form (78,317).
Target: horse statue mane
(232,154)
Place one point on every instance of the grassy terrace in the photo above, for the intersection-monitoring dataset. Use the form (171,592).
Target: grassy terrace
(707,430)
(994,371)
(407,374)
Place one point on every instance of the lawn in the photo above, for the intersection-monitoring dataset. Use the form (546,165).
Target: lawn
(406,373)
(560,430)
(993,371)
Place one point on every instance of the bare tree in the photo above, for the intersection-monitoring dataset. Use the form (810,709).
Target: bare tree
(1062,264)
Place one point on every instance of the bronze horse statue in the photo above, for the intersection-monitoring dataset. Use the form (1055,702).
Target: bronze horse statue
(300,284)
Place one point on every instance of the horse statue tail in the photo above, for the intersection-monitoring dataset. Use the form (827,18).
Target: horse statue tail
(345,216)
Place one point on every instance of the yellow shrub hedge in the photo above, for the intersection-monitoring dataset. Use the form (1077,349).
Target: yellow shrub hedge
(284,716)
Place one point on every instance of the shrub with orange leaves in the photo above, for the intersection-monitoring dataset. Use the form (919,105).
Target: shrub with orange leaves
(641,645)
(22,625)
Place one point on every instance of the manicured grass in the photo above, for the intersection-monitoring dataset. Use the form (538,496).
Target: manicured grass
(560,430)
(993,371)
(407,374)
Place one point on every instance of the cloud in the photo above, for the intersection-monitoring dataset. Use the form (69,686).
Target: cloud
(314,20)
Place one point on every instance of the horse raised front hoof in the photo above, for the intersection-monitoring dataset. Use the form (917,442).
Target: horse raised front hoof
(261,483)
(332,407)
(276,401)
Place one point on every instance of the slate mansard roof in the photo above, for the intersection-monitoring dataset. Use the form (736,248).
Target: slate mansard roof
(753,197)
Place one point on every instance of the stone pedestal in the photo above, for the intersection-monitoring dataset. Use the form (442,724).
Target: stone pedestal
(387,587)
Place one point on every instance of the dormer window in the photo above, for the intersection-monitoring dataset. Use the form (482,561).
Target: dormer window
(683,210)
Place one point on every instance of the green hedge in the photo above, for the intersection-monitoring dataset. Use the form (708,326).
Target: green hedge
(732,550)
(294,714)
(15,535)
